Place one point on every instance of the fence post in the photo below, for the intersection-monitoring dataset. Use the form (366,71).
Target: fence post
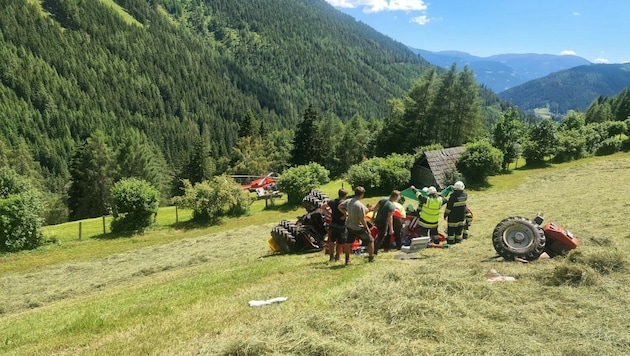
(176,215)
(103,224)
(80,229)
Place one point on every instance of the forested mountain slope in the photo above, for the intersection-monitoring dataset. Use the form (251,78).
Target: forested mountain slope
(503,71)
(179,70)
(571,89)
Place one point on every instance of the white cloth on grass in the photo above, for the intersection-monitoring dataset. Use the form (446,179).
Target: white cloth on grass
(257,303)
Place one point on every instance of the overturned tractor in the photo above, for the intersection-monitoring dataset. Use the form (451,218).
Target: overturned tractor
(307,234)
(517,237)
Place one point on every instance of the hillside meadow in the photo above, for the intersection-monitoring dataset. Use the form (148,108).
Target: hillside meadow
(182,289)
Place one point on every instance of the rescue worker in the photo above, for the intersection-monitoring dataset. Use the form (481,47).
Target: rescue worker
(431,203)
(469,220)
(455,213)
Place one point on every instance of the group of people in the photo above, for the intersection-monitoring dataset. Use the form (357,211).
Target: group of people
(348,223)
(456,213)
(348,220)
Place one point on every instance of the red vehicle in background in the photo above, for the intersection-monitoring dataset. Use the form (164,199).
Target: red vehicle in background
(267,182)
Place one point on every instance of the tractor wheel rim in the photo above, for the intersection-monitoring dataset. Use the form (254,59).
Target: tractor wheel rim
(518,238)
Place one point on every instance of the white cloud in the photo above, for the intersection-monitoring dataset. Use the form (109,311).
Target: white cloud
(575,13)
(381,5)
(568,53)
(421,20)
(600,60)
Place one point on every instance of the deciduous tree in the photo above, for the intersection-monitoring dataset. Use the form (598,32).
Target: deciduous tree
(20,213)
(506,135)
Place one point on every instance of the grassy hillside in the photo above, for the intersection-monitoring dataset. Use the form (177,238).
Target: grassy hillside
(129,20)
(184,290)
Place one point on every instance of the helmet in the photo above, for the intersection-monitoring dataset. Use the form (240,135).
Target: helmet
(459,185)
(431,190)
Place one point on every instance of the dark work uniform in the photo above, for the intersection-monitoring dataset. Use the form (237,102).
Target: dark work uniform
(455,214)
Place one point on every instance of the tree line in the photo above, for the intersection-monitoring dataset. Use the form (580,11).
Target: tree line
(88,100)
(133,178)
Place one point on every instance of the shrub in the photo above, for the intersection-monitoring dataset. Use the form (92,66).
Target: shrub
(365,174)
(542,142)
(571,146)
(479,160)
(381,175)
(210,200)
(609,146)
(134,203)
(614,128)
(298,181)
(21,207)
(594,134)
(236,200)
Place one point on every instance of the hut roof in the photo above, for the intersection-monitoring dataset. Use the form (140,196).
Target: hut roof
(442,162)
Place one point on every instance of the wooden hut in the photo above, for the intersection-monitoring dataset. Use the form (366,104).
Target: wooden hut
(434,168)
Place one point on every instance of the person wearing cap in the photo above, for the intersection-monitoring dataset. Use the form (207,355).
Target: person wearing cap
(455,213)
(431,203)
(384,221)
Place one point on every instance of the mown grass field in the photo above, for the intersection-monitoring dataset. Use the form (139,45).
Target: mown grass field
(182,289)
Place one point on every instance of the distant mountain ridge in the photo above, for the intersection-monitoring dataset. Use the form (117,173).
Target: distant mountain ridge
(503,71)
(570,89)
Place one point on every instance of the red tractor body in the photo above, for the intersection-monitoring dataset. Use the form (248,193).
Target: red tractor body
(558,239)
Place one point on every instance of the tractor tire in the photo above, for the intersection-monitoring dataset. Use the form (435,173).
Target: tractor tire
(290,226)
(311,203)
(283,239)
(319,195)
(518,237)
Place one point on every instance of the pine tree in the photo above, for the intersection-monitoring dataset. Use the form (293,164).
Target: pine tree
(442,116)
(138,158)
(263,132)
(331,130)
(394,126)
(417,125)
(92,171)
(621,105)
(599,110)
(248,127)
(280,145)
(200,165)
(307,143)
(467,122)
(353,147)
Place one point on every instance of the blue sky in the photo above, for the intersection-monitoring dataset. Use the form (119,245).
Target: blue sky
(597,30)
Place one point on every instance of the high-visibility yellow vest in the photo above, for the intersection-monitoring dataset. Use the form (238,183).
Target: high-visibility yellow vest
(431,210)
